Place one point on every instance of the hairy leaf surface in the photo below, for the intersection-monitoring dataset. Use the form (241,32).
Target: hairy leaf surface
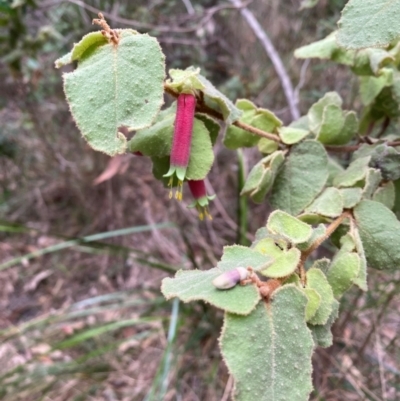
(301,178)
(194,285)
(269,351)
(114,86)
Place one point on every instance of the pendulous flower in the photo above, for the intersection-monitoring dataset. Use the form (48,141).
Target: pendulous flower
(182,140)
(201,199)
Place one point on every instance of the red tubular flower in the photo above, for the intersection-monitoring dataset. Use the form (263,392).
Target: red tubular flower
(182,140)
(201,199)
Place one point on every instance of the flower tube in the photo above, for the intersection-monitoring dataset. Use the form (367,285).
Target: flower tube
(182,140)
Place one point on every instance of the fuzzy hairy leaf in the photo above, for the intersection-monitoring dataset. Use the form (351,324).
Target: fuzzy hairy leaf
(385,194)
(387,160)
(380,234)
(262,176)
(289,227)
(317,233)
(329,203)
(369,23)
(317,280)
(350,196)
(326,49)
(268,352)
(361,279)
(315,114)
(114,86)
(372,181)
(194,285)
(283,265)
(290,135)
(343,271)
(322,334)
(259,118)
(301,178)
(313,302)
(356,171)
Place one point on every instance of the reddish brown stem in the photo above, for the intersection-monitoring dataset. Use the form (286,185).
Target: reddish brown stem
(329,230)
(201,107)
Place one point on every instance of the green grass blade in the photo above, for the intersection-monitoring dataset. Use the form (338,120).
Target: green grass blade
(80,241)
(97,331)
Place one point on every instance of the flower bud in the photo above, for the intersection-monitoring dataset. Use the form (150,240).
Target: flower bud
(201,199)
(230,278)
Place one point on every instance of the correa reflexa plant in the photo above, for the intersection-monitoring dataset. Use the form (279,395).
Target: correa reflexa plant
(279,300)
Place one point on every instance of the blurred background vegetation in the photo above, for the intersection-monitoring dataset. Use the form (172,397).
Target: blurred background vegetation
(82,254)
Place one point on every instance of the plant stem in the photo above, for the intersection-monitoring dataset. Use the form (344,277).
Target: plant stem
(242,200)
(329,230)
(201,107)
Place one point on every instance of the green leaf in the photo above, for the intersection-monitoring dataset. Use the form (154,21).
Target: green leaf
(289,227)
(347,244)
(267,246)
(197,284)
(259,118)
(212,126)
(160,168)
(155,141)
(351,196)
(290,135)
(217,100)
(268,352)
(102,94)
(361,279)
(343,271)
(334,168)
(313,219)
(314,302)
(267,146)
(184,81)
(368,23)
(190,80)
(235,137)
(322,264)
(317,281)
(385,194)
(371,61)
(329,203)
(330,123)
(301,179)
(315,114)
(356,171)
(326,49)
(387,160)
(88,42)
(262,176)
(371,87)
(283,265)
(372,181)
(337,127)
(318,232)
(301,123)
(266,120)
(380,234)
(201,153)
(322,334)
